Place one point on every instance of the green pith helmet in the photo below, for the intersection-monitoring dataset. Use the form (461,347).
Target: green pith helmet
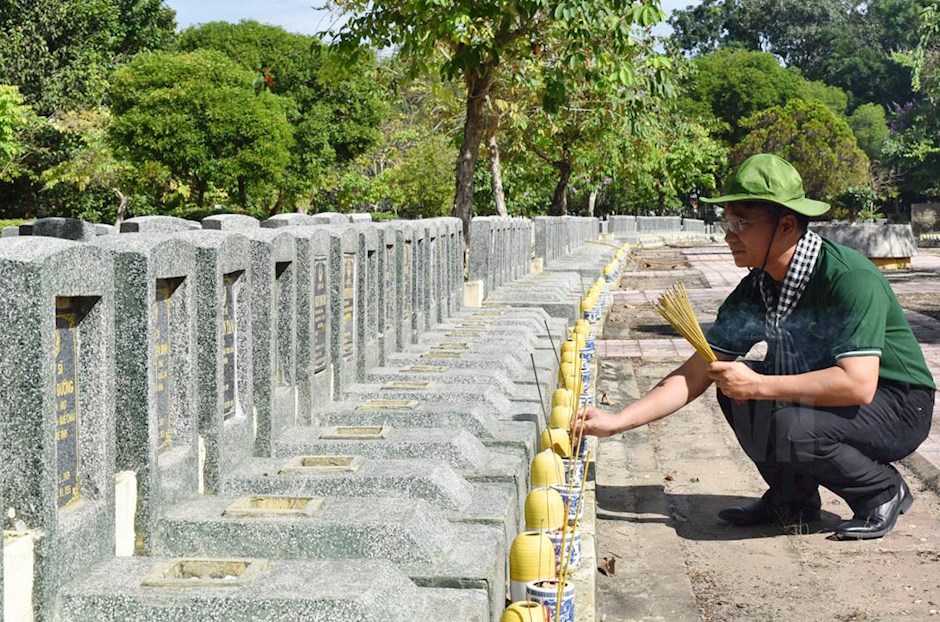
(766,177)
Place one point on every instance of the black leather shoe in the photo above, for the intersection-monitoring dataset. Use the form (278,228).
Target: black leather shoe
(879,521)
(762,512)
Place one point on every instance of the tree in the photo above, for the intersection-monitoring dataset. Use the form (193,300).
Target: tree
(335,115)
(844,43)
(60,52)
(870,126)
(569,118)
(664,164)
(731,85)
(727,86)
(794,30)
(14,118)
(198,115)
(92,167)
(471,40)
(811,137)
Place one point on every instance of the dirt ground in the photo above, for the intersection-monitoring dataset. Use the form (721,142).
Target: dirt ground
(659,489)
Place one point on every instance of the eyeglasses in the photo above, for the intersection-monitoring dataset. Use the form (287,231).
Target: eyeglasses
(734,226)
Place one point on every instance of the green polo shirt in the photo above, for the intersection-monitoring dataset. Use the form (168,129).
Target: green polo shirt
(847,309)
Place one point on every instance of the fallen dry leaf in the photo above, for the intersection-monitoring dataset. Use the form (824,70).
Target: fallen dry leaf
(669,478)
(606,566)
(606,400)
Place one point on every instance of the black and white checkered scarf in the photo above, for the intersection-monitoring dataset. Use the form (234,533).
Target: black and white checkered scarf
(786,358)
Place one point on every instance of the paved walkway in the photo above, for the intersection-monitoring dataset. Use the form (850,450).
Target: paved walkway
(714,263)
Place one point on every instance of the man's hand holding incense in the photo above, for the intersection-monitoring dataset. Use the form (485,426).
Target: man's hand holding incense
(736,380)
(596,422)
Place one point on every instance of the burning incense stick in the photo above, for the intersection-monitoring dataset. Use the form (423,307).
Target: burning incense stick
(676,309)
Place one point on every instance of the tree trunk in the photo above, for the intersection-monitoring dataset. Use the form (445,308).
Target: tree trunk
(200,192)
(497,171)
(242,192)
(560,198)
(122,208)
(591,201)
(279,203)
(477,88)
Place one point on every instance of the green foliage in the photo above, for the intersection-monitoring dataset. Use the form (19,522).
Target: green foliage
(856,203)
(846,44)
(913,145)
(12,222)
(870,126)
(14,119)
(475,40)
(335,115)
(198,116)
(731,85)
(811,137)
(60,52)
(410,172)
(665,163)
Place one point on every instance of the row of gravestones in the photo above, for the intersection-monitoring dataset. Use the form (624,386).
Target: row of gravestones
(555,236)
(266,396)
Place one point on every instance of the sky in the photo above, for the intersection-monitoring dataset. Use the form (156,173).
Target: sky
(293,15)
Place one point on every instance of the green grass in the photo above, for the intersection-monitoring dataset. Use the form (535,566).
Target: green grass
(12,223)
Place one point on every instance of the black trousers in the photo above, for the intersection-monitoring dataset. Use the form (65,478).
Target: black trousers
(798,447)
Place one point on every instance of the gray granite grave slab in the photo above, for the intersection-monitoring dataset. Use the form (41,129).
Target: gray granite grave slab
(330,218)
(587,260)
(9,232)
(483,260)
(57,403)
(370,298)
(345,307)
(360,217)
(441,391)
(156,224)
(522,237)
(622,226)
(658,224)
(5,520)
(224,377)
(440,346)
(289,220)
(421,290)
(537,291)
(315,325)
(479,420)
(105,229)
(155,357)
(515,365)
(390,282)
(433,271)
(407,289)
(273,333)
(523,376)
(427,547)
(456,448)
(455,264)
(873,240)
(283,591)
(230,222)
(496,379)
(437,483)
(63,228)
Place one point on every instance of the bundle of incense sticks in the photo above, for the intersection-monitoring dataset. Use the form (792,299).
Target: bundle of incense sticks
(676,309)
